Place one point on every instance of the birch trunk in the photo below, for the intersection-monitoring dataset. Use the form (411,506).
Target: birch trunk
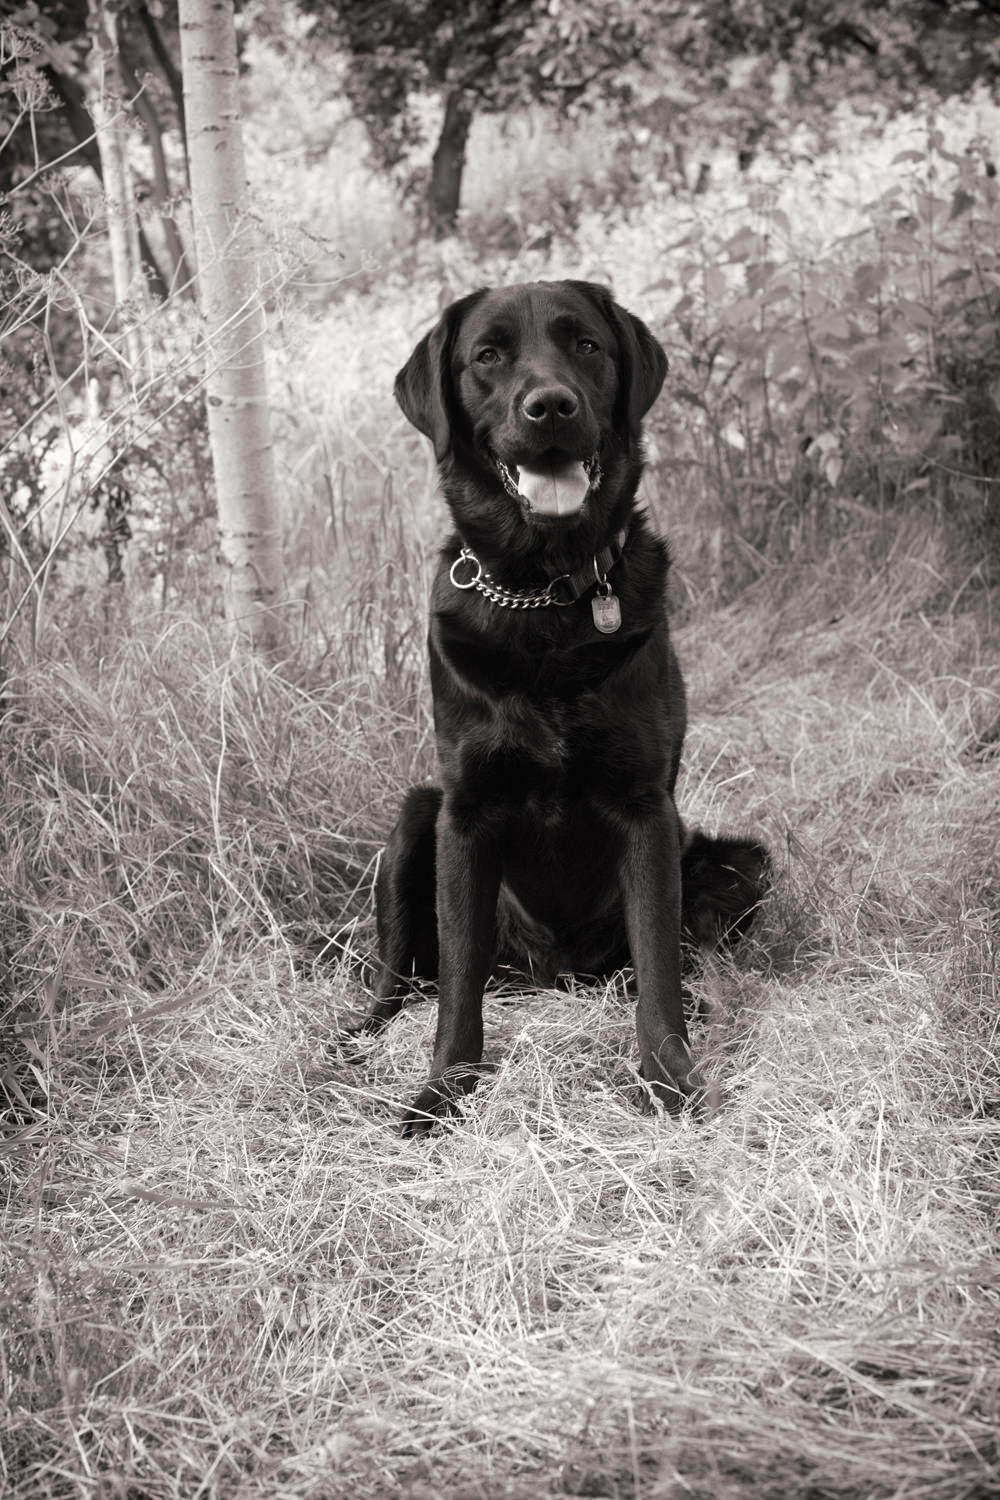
(104,102)
(239,423)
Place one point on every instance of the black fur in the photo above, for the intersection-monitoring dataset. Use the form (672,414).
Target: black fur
(553,843)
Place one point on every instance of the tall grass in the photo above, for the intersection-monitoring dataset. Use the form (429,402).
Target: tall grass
(226,1275)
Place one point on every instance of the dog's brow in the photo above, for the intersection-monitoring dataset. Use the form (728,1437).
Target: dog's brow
(493,333)
(573,322)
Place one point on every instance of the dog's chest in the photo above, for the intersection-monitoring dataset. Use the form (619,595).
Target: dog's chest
(527,736)
(547,734)
(544,758)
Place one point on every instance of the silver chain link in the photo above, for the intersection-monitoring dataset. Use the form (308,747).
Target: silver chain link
(506,598)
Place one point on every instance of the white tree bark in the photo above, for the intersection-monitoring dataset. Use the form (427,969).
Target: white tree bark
(104,101)
(239,423)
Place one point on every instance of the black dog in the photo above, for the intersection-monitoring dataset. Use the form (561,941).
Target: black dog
(553,844)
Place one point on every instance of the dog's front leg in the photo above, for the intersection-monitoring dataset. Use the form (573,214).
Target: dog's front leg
(468,884)
(651,895)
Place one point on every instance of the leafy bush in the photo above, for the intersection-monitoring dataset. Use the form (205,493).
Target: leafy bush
(811,388)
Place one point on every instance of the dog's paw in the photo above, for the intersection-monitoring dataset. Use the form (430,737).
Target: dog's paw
(434,1104)
(438,1101)
(348,1043)
(672,1079)
(723,882)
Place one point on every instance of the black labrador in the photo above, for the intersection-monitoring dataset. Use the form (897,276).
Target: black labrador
(552,844)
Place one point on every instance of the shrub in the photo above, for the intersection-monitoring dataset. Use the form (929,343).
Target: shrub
(810,388)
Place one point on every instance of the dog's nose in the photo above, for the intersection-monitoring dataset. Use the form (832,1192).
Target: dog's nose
(555,401)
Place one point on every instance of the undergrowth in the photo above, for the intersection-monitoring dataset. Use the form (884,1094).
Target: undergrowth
(224,1273)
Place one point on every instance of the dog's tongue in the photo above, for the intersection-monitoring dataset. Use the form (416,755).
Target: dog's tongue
(554,489)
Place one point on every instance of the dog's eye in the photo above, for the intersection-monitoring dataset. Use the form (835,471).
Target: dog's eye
(586,346)
(487,356)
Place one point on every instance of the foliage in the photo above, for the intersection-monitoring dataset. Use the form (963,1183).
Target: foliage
(222,1270)
(945,46)
(858,378)
(92,455)
(742,73)
(100,452)
(503,54)
(44,57)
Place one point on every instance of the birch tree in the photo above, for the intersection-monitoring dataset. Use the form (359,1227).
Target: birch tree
(229,296)
(104,101)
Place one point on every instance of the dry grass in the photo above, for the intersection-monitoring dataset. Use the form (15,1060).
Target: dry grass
(226,1275)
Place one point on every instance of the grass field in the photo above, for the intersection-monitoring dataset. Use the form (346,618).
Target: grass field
(225,1273)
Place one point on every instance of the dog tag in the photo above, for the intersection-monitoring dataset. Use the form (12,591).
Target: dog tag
(607,612)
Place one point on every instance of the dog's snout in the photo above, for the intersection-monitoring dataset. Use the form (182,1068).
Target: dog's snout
(550,402)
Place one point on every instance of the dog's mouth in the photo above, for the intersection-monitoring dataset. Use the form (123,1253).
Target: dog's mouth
(551,487)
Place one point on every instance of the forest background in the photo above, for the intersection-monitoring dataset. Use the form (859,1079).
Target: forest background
(224,1273)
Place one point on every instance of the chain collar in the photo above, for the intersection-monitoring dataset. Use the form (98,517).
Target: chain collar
(558,592)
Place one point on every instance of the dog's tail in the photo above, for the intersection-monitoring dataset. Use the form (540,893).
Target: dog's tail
(723,882)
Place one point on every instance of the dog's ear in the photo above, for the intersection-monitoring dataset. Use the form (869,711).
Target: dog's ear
(424,387)
(642,364)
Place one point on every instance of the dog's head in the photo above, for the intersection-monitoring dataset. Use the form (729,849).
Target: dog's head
(541,387)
